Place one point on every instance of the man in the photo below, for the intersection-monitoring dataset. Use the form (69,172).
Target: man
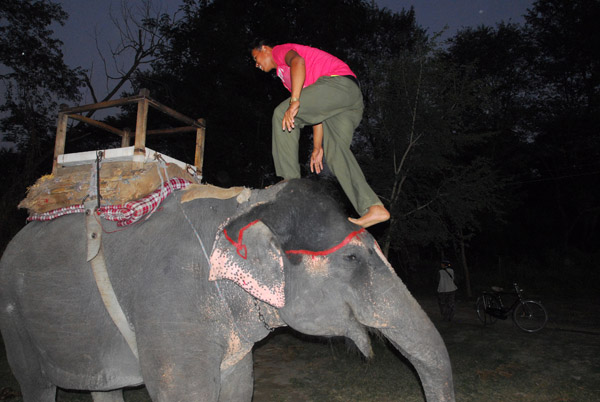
(446,290)
(324,94)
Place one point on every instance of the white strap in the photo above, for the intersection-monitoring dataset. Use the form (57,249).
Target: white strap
(107,293)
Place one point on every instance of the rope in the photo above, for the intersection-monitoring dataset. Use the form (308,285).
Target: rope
(208,261)
(332,249)
(161,164)
(94,186)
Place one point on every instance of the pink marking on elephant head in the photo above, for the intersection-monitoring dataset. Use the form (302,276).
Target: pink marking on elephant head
(256,266)
(227,268)
(383,259)
(316,264)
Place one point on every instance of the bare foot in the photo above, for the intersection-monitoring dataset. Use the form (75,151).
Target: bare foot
(376,214)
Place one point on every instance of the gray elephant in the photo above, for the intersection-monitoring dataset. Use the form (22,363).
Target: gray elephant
(199,283)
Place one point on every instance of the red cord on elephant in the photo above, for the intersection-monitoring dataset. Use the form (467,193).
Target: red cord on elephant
(243,252)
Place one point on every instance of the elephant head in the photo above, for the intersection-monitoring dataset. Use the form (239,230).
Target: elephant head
(328,277)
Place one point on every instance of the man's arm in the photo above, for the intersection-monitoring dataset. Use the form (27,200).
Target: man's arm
(298,75)
(316,159)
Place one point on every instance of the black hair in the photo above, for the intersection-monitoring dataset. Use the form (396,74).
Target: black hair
(258,43)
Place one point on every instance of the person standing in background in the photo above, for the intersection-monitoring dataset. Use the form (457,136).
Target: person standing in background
(446,290)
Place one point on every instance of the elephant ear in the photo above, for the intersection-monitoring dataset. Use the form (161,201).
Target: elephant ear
(253,259)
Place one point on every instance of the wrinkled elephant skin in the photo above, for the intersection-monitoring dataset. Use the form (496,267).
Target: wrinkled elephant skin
(288,253)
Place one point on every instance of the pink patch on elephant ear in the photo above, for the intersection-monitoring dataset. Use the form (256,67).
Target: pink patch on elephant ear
(254,262)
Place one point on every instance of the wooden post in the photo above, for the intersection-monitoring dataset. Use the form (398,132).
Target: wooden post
(139,151)
(126,138)
(61,137)
(199,158)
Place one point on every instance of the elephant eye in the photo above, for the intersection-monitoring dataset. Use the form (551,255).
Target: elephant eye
(350,257)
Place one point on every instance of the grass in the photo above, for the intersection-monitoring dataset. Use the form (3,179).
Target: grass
(494,363)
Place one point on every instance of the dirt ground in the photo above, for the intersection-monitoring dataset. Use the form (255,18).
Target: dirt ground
(494,363)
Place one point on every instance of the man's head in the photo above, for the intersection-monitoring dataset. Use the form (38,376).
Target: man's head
(263,58)
(445,264)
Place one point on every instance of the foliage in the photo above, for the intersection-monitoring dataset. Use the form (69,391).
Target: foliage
(430,129)
(566,120)
(35,79)
(141,30)
(35,76)
(33,57)
(12,193)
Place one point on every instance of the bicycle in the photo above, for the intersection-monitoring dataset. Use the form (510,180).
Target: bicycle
(528,315)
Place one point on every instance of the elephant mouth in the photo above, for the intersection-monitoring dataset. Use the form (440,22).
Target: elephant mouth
(359,334)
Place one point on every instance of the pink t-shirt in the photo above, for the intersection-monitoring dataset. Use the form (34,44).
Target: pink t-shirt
(318,64)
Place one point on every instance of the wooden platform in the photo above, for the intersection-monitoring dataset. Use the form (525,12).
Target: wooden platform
(127,173)
(121,179)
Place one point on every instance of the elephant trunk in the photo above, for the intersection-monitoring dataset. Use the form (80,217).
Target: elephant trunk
(430,358)
(410,330)
(398,316)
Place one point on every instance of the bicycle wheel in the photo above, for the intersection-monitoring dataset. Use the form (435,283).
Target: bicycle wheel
(530,316)
(481,303)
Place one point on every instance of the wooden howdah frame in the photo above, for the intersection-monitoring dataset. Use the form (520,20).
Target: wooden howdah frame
(143,101)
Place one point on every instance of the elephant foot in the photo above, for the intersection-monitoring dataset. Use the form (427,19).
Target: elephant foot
(376,214)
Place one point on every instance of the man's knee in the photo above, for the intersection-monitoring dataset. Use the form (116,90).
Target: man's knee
(280,111)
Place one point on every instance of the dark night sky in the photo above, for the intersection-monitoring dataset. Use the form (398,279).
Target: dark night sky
(89,16)
(435,14)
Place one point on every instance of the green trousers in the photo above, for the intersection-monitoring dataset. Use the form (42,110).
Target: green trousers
(337,103)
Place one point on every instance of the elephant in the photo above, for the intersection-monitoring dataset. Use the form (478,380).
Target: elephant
(200,282)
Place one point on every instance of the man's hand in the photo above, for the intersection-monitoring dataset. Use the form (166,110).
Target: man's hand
(316,160)
(297,76)
(289,115)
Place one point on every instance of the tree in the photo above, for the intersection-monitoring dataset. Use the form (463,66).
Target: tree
(496,60)
(142,34)
(431,124)
(35,79)
(141,27)
(566,121)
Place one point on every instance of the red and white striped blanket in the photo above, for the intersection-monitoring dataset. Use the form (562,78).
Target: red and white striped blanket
(123,214)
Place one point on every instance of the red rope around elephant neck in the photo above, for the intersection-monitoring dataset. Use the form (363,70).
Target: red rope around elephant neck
(243,252)
(332,249)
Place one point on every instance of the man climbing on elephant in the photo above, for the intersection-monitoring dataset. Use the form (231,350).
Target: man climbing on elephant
(324,94)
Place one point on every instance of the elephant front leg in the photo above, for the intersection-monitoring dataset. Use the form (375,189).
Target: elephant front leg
(237,381)
(176,367)
(185,381)
(38,393)
(110,396)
